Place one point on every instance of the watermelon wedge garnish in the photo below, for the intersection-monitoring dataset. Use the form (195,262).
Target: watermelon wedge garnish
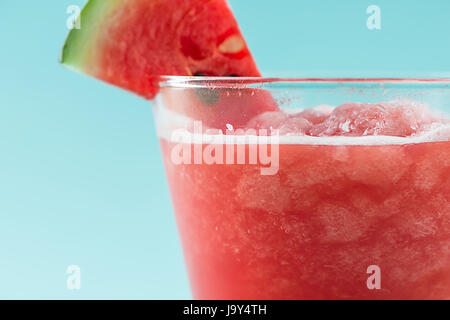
(131,43)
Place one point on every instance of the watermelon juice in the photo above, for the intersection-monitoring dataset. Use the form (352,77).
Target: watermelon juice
(357,208)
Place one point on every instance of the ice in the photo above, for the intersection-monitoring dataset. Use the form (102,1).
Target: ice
(384,123)
(285,123)
(318,114)
(291,123)
(267,120)
(398,119)
(388,119)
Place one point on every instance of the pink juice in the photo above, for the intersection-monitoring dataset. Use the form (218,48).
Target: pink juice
(359,208)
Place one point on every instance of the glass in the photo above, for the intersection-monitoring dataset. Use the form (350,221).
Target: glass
(297,204)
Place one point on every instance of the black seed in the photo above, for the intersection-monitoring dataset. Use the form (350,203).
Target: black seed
(208,96)
(231,75)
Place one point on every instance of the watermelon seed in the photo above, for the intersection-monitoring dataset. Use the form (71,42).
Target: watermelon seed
(232,45)
(207,96)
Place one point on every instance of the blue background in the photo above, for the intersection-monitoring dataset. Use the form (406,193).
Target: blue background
(81,178)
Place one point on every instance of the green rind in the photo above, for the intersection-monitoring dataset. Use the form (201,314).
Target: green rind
(80,42)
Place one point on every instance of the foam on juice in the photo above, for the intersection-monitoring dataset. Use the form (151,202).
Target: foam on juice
(385,123)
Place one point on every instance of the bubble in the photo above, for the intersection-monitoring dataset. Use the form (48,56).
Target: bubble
(287,124)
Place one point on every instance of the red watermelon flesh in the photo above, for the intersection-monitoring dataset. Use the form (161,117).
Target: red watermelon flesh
(219,108)
(130,43)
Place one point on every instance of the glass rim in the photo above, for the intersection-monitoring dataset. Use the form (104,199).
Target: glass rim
(208,81)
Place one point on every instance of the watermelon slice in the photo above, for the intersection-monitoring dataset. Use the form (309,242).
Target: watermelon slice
(130,43)
(219,108)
